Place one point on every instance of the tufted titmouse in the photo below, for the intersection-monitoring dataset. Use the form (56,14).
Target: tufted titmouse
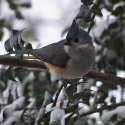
(70,58)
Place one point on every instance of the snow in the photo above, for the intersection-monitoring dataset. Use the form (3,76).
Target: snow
(106,115)
(14,118)
(62,96)
(56,115)
(53,17)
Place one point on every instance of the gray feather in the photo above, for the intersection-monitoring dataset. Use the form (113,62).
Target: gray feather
(53,54)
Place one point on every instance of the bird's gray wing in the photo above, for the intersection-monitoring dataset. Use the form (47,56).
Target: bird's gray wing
(53,54)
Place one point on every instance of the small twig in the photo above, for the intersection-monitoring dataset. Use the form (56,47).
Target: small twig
(57,95)
(92,22)
(102,108)
(93,17)
(28,116)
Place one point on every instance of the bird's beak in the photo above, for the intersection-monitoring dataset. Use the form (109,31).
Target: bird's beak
(68,42)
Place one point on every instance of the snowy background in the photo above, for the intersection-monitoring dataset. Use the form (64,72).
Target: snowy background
(44,22)
(46,19)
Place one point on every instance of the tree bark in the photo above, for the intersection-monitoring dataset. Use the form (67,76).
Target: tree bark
(104,77)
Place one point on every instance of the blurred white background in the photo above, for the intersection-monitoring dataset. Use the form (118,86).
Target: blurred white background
(45,20)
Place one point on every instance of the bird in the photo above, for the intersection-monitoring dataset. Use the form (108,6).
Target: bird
(70,58)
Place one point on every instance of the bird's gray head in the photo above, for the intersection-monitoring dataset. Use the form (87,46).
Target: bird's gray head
(77,36)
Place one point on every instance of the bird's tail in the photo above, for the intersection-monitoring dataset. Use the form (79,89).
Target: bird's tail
(22,51)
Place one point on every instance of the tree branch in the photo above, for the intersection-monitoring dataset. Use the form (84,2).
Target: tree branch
(57,95)
(93,17)
(104,77)
(103,108)
(14,61)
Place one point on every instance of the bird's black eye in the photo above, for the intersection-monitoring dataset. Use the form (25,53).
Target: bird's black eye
(76,40)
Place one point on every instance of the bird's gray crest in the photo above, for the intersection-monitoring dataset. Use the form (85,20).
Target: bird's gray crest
(73,29)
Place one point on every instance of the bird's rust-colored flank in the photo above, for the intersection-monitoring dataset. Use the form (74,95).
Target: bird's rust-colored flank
(52,67)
